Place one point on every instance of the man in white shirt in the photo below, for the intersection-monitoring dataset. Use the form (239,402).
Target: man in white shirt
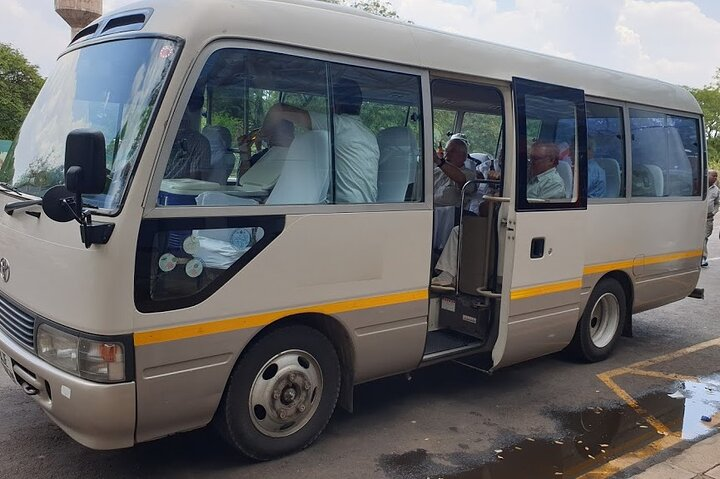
(544,182)
(450,173)
(713,204)
(356,149)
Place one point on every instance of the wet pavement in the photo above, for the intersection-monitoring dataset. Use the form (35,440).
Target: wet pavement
(592,437)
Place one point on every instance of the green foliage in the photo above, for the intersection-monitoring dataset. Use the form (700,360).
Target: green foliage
(709,100)
(20,83)
(382,8)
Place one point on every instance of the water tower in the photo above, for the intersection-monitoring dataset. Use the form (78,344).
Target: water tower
(78,13)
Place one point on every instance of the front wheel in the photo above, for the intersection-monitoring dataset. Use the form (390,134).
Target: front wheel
(600,326)
(281,393)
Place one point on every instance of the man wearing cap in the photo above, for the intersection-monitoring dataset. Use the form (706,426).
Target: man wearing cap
(449,176)
(356,149)
(450,173)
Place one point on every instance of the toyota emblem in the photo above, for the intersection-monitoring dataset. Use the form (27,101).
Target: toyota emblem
(5,269)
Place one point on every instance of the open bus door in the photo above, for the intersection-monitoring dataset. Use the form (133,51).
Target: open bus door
(550,202)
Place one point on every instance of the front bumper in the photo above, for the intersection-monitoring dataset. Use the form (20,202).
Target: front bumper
(99,416)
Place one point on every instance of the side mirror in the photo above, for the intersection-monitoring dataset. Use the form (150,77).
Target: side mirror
(85,161)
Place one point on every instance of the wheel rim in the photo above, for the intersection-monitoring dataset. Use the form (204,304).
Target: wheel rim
(286,393)
(604,320)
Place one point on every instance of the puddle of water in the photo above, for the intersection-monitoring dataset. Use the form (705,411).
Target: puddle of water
(701,399)
(595,436)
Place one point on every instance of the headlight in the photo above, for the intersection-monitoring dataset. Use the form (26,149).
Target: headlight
(94,360)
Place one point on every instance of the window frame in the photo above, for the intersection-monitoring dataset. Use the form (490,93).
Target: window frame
(624,111)
(521,88)
(152,210)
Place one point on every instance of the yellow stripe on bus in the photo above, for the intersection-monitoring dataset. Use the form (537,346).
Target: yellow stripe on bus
(184,332)
(627,264)
(549,288)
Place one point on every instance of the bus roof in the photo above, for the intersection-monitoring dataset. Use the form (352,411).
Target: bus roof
(330,28)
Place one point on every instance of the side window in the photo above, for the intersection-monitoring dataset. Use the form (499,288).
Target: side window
(606,151)
(319,133)
(443,125)
(665,155)
(483,131)
(552,157)
(551,145)
(376,135)
(470,118)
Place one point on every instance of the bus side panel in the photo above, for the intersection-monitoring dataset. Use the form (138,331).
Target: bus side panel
(657,244)
(369,271)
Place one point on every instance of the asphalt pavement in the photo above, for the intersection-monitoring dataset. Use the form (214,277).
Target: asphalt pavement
(550,417)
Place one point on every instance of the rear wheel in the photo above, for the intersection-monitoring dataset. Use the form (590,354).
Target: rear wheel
(600,326)
(281,393)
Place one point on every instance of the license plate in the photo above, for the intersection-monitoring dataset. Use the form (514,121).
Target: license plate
(7,364)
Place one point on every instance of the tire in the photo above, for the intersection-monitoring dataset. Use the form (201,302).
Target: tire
(281,393)
(601,324)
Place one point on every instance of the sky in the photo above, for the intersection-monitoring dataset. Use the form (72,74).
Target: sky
(672,40)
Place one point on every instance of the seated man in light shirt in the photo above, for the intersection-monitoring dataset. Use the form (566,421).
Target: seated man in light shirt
(357,154)
(268,163)
(544,182)
(450,173)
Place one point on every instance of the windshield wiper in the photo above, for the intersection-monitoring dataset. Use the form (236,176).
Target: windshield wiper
(10,187)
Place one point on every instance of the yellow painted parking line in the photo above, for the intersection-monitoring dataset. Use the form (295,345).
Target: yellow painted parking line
(658,374)
(671,439)
(630,459)
(622,394)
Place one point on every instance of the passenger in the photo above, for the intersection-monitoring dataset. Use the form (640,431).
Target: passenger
(190,154)
(450,173)
(356,149)
(447,263)
(566,152)
(267,163)
(597,181)
(544,182)
(713,204)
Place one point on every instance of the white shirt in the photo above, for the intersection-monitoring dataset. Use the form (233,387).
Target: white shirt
(356,158)
(446,191)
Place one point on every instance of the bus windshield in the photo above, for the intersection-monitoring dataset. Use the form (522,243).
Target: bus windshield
(112,87)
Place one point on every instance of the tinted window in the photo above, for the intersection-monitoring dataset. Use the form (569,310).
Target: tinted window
(279,129)
(665,154)
(606,151)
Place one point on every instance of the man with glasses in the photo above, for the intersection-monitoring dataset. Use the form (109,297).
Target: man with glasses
(544,182)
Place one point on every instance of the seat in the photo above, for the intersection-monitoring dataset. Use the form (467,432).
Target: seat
(222,160)
(613,176)
(565,171)
(398,163)
(657,175)
(305,175)
(220,248)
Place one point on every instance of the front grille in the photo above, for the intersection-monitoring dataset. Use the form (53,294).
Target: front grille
(17,323)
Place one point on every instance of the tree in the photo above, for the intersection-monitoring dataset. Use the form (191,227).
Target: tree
(20,83)
(382,8)
(709,100)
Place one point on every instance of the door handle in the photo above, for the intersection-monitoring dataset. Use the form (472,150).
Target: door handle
(537,248)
